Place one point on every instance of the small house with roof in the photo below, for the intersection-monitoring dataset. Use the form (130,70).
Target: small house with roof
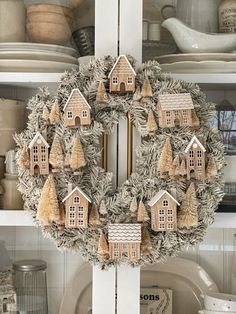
(124,240)
(195,159)
(39,151)
(175,110)
(77,111)
(76,205)
(163,212)
(122,76)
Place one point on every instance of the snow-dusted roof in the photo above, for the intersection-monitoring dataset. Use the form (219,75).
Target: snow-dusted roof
(194,139)
(124,233)
(36,137)
(120,59)
(156,198)
(80,94)
(180,101)
(80,191)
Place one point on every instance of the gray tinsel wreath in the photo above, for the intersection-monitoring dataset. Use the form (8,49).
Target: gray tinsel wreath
(120,206)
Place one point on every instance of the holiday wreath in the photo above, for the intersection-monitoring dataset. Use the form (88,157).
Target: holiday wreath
(170,199)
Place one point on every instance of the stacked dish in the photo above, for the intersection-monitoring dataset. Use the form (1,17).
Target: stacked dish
(32,57)
(219,303)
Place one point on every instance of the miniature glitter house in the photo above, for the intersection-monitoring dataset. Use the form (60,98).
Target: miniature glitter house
(77,111)
(39,163)
(124,241)
(163,212)
(122,76)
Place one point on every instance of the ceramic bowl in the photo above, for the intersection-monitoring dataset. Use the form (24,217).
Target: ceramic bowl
(50,8)
(49,17)
(220,302)
(49,33)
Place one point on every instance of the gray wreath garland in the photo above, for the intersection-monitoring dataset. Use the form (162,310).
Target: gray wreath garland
(145,182)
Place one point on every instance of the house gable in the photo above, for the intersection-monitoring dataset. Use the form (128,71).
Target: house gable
(123,65)
(159,195)
(37,136)
(76,189)
(194,140)
(76,97)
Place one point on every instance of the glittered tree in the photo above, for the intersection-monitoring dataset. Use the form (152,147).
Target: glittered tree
(146,91)
(103,250)
(211,170)
(182,170)
(48,209)
(176,167)
(46,114)
(56,155)
(165,160)
(195,120)
(142,215)
(24,161)
(102,210)
(188,212)
(77,159)
(94,219)
(137,97)
(146,240)
(133,207)
(101,96)
(55,113)
(151,123)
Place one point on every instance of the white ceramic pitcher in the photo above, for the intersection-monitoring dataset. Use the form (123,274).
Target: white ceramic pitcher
(201,15)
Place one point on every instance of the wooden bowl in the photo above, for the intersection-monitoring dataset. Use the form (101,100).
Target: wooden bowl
(49,33)
(50,8)
(48,17)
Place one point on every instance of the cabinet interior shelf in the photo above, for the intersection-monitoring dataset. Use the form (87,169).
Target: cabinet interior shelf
(22,218)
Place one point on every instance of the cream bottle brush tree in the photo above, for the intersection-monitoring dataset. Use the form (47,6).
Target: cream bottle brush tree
(77,159)
(56,158)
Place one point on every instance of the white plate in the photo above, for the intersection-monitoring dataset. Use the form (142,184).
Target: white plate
(38,55)
(200,67)
(172,58)
(34,66)
(187,279)
(37,47)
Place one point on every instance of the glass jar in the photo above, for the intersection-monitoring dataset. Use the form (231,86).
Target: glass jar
(31,286)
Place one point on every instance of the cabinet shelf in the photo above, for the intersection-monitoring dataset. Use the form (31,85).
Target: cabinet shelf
(22,218)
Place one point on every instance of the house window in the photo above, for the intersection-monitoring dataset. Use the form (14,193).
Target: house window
(133,254)
(43,158)
(116,246)
(199,153)
(35,149)
(170,218)
(161,226)
(69,115)
(162,218)
(115,80)
(84,113)
(199,163)
(161,212)
(168,121)
(184,113)
(72,215)
(130,80)
(170,226)
(191,154)
(191,163)
(81,215)
(43,149)
(169,212)
(133,246)
(72,208)
(185,120)
(124,246)
(35,158)
(80,222)
(76,200)
(165,203)
(176,112)
(43,167)
(72,222)
(116,254)
(168,114)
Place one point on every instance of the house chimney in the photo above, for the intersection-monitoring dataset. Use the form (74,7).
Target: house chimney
(70,187)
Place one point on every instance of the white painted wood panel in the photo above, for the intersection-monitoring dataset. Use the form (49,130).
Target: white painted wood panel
(122,152)
(131,16)
(128,290)
(104,285)
(106,27)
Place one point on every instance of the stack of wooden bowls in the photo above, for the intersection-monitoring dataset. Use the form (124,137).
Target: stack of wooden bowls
(49,23)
